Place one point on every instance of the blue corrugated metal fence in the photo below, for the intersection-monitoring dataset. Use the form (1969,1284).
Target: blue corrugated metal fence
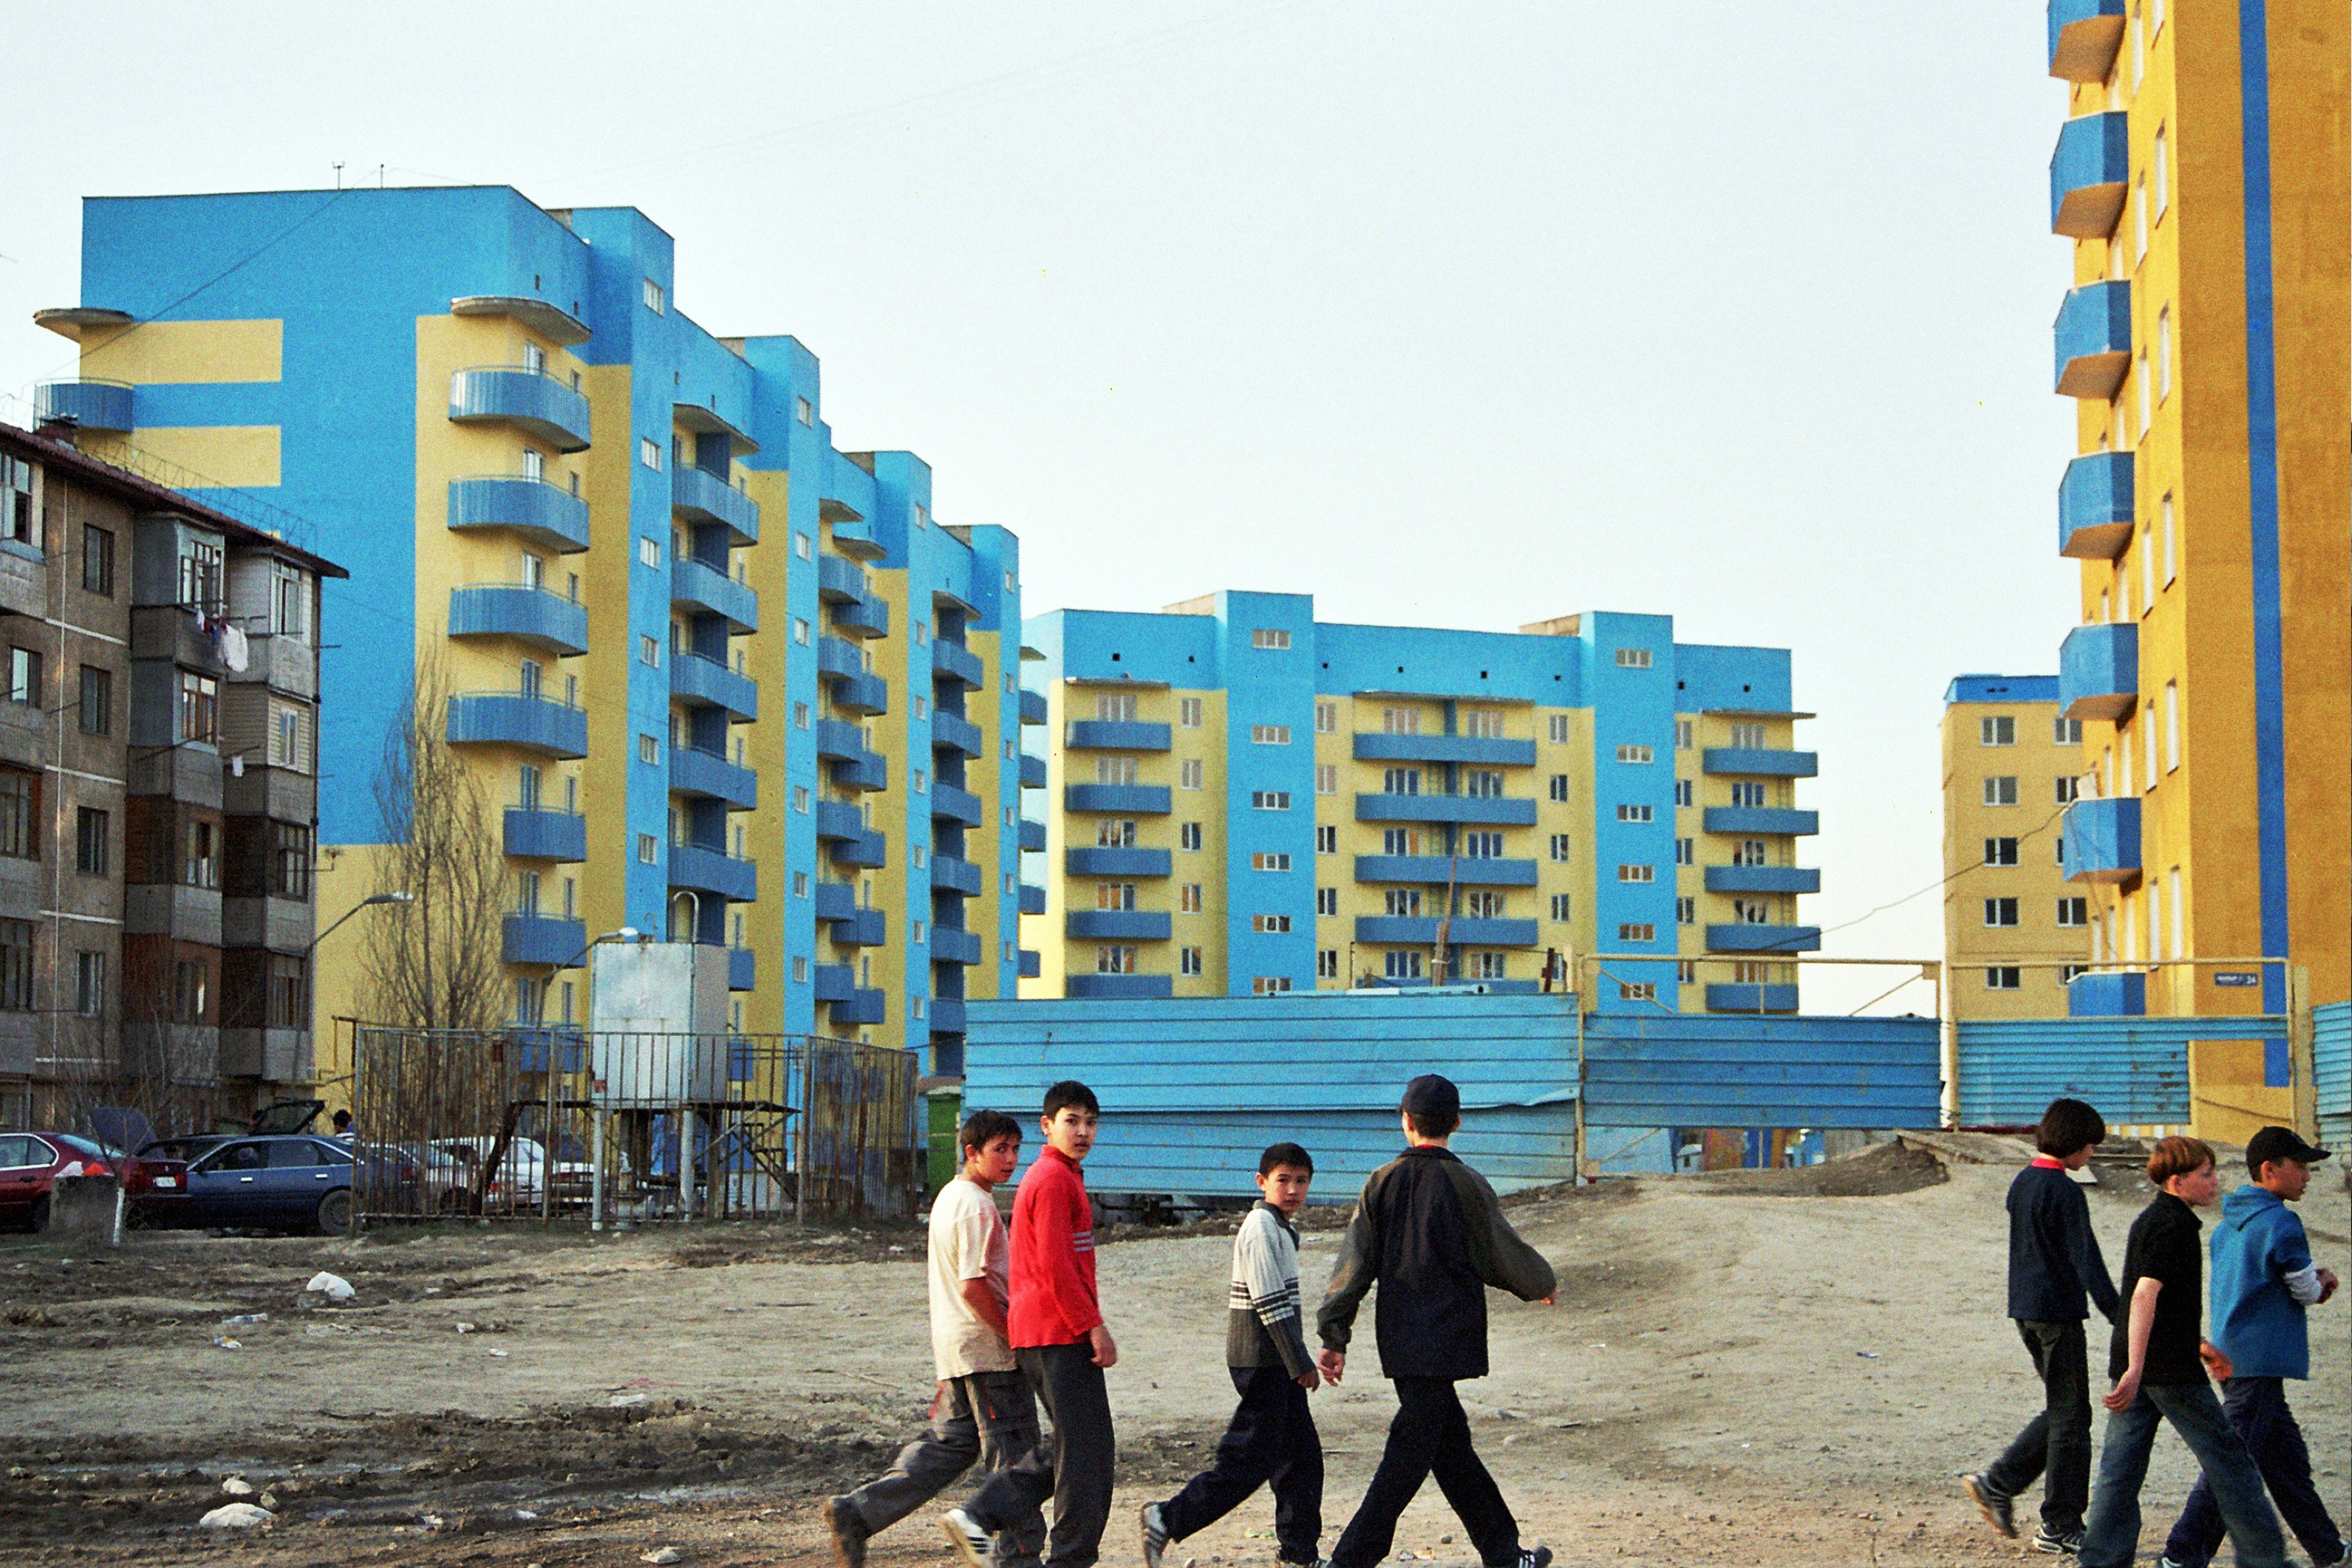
(2331,1050)
(2133,1069)
(1691,1069)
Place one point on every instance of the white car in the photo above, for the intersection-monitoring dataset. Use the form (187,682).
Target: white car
(519,1180)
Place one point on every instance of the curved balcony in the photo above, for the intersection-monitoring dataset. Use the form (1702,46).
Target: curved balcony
(1766,819)
(1031,898)
(954,874)
(951,946)
(2102,841)
(546,835)
(837,738)
(863,1006)
(1120,925)
(1494,752)
(1462,931)
(699,585)
(838,578)
(865,617)
(861,771)
(1118,987)
(957,804)
(1033,772)
(533,401)
(1030,964)
(743,969)
(522,719)
(834,981)
(710,776)
(951,661)
(946,1016)
(865,927)
(2092,339)
(1096,860)
(1115,735)
(548,516)
(2084,37)
(1504,811)
(1744,938)
(838,819)
(699,496)
(706,870)
(2095,506)
(1439,869)
(544,939)
(1033,707)
(2098,671)
(1763,879)
(838,660)
(693,677)
(2089,174)
(952,732)
(1032,834)
(867,851)
(1744,998)
(91,403)
(546,621)
(835,901)
(1766,761)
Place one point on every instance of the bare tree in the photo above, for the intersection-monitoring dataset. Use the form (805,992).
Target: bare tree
(434,962)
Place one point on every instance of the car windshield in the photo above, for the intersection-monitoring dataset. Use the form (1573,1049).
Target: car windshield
(87,1147)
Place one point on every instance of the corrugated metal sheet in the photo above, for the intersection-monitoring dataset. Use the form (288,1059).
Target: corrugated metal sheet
(2133,1069)
(1701,1070)
(2331,1048)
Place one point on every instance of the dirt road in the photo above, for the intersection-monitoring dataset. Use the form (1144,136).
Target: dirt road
(1739,1371)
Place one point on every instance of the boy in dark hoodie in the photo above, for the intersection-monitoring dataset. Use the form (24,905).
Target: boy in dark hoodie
(2264,1278)
(1428,1231)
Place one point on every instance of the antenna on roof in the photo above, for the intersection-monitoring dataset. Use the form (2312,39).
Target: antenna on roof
(338,176)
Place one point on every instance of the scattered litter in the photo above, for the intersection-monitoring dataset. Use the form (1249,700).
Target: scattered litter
(465,1327)
(1868,1355)
(238,1486)
(662,1554)
(430,1521)
(245,1317)
(498,1352)
(269,1502)
(623,1401)
(1564,1425)
(525,1514)
(334,1286)
(226,1344)
(1445,1540)
(237,1516)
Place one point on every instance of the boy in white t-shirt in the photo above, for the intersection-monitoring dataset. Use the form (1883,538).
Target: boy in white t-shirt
(983,1409)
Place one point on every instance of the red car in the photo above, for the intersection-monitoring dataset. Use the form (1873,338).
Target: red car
(31,1163)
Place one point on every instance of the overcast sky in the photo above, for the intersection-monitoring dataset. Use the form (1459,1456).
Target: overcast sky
(1449,315)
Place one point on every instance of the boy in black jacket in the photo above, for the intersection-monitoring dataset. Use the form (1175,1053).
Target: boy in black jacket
(1429,1230)
(2054,1258)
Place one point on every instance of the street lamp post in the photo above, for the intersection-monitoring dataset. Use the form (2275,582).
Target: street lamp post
(372,899)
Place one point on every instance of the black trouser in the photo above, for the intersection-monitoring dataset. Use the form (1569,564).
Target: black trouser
(990,1416)
(2055,1446)
(2257,1408)
(1272,1443)
(1430,1436)
(1074,1467)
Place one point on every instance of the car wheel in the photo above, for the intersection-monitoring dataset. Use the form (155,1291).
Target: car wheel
(335,1213)
(41,1214)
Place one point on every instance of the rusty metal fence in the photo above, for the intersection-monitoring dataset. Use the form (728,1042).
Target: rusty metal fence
(550,1122)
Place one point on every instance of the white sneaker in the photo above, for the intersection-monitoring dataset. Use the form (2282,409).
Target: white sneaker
(1155,1533)
(972,1543)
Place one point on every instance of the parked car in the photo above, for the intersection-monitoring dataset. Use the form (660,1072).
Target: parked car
(31,1163)
(518,1182)
(272,1183)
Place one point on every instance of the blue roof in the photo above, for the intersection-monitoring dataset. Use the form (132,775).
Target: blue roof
(2001,689)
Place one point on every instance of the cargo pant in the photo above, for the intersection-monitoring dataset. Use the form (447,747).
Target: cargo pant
(990,1416)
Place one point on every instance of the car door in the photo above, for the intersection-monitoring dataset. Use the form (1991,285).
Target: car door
(300,1172)
(225,1186)
(24,1160)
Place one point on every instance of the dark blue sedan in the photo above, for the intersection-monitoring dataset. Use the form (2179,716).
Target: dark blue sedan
(267,1183)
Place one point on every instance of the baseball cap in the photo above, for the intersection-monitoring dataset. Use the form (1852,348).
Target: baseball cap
(2279,1143)
(1432,1095)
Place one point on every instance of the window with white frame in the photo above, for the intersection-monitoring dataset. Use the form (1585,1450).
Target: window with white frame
(1399,721)
(1482,723)
(1634,814)
(1686,851)
(1269,734)
(1686,734)
(2172,726)
(1748,736)
(2001,911)
(2172,560)
(1560,847)
(1270,925)
(2001,789)
(1562,906)
(1327,963)
(1117,833)
(649,453)
(1405,965)
(1272,637)
(649,848)
(1269,984)
(1327,778)
(1637,930)
(1685,911)
(2065,732)
(1326,900)
(1634,873)
(1115,961)
(1270,861)
(2074,911)
(1188,774)
(2158,168)
(1997,730)
(2002,978)
(1327,718)
(1685,791)
(2164,353)
(1188,899)
(1400,902)
(1637,991)
(1270,800)
(1482,846)
(1114,707)
(1188,712)
(1559,787)
(1188,960)
(1327,840)
(1557,727)
(1633,659)
(655,300)
(1115,770)
(1636,755)
(1188,835)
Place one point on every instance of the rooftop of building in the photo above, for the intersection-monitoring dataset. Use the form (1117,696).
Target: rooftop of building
(2001,689)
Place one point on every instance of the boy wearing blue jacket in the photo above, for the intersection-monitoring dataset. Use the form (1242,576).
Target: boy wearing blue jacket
(2264,1279)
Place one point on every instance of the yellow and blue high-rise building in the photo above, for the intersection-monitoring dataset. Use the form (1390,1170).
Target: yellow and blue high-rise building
(730,684)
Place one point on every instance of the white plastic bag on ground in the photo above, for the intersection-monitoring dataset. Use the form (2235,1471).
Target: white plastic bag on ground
(237,1516)
(334,1286)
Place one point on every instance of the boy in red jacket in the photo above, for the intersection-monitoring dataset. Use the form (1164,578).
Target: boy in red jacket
(1062,1346)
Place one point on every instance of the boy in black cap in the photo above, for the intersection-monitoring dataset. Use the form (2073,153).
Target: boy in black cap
(1429,1229)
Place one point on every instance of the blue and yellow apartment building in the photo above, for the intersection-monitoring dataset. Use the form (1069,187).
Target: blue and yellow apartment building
(726,683)
(1245,800)
(2203,180)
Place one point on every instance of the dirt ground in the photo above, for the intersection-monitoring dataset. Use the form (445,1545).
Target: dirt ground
(1776,1368)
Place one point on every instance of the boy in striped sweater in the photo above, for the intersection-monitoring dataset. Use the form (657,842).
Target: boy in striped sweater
(1272,1441)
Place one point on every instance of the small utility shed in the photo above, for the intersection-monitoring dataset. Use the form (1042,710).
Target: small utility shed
(1193,1088)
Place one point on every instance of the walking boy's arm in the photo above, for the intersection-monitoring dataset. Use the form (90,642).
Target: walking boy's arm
(2289,1259)
(1502,1258)
(2143,1323)
(1358,1265)
(2083,1247)
(987,1305)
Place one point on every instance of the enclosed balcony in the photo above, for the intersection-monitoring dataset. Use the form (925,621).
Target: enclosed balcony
(1745,998)
(1763,879)
(531,401)
(1033,772)
(1115,735)
(838,819)
(523,719)
(957,804)
(863,927)
(864,695)
(2089,174)
(833,982)
(2092,339)
(1034,708)
(1743,937)
(863,1006)
(946,1016)
(953,661)
(2084,37)
(698,586)
(1032,834)
(1479,872)
(838,660)
(525,611)
(837,579)
(1462,930)
(743,969)
(837,738)
(950,946)
(1503,811)
(1761,761)
(1031,898)
(544,938)
(2095,506)
(545,515)
(694,678)
(835,901)
(700,496)
(2102,841)
(865,617)
(1123,800)
(91,403)
(2098,671)
(1030,964)
(867,851)
(710,776)
(860,770)
(1739,819)
(1101,860)
(546,835)
(951,732)
(1118,925)
(1492,751)
(2107,994)
(954,874)
(709,870)
(1116,987)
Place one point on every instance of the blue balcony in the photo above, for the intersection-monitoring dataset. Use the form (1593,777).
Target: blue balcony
(2084,37)
(540,1048)
(1119,987)
(2107,994)
(864,695)
(1031,898)
(699,496)
(1032,834)
(1115,735)
(868,851)
(954,874)
(548,516)
(1750,819)
(699,585)
(2095,506)
(834,981)
(1742,937)
(1096,860)
(1763,879)
(947,1015)
(864,617)
(838,819)
(2098,671)
(958,805)
(2089,175)
(1030,964)
(2102,841)
(709,774)
(1118,925)
(1462,931)
(1468,873)
(1495,753)
(950,946)
(743,969)
(1502,811)
(953,661)
(835,901)
(533,401)
(836,739)
(706,870)
(1033,772)
(544,938)
(838,660)
(1740,998)
(1124,800)
(1033,707)
(838,579)
(546,835)
(90,405)
(522,719)
(1766,762)
(862,771)
(865,927)
(694,678)
(549,622)
(864,1006)
(951,732)
(2092,339)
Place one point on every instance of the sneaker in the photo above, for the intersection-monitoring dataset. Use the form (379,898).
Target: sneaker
(971,1541)
(848,1532)
(1155,1533)
(1998,1511)
(1535,1557)
(2056,1544)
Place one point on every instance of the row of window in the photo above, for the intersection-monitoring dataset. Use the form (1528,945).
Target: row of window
(2003,912)
(2001,729)
(1474,723)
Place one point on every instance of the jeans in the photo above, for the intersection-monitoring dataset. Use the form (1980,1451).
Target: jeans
(2257,1409)
(2110,1532)
(1430,1436)
(1075,1467)
(989,1417)
(2055,1446)
(1272,1443)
